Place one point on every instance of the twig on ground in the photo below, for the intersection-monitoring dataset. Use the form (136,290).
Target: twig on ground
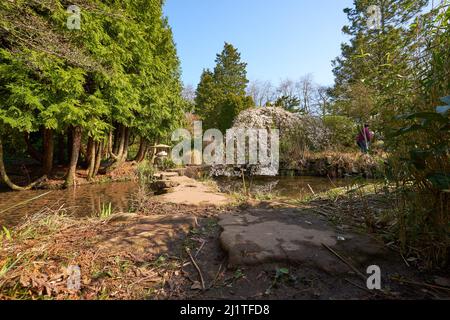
(310,188)
(406,261)
(217,275)
(200,249)
(345,261)
(360,287)
(202,280)
(421,284)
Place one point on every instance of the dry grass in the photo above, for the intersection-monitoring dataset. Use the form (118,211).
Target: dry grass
(34,262)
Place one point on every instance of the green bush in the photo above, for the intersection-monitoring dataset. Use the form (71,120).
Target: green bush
(167,164)
(343,131)
(145,172)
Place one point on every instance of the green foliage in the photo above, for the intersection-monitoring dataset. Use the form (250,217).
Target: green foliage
(120,70)
(146,172)
(342,131)
(289,103)
(403,69)
(106,211)
(229,109)
(429,156)
(167,164)
(221,95)
(372,75)
(5,233)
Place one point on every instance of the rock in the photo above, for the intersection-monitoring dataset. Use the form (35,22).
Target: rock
(162,185)
(164,191)
(179,171)
(122,217)
(195,193)
(281,235)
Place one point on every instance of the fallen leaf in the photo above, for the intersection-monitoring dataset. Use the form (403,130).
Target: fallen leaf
(197,286)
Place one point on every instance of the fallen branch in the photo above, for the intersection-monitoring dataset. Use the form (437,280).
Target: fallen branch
(213,283)
(345,261)
(421,284)
(360,287)
(202,280)
(200,249)
(310,188)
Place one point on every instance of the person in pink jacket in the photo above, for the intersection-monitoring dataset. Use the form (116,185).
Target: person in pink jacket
(364,138)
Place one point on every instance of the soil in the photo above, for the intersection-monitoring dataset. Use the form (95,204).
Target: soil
(193,243)
(148,256)
(323,277)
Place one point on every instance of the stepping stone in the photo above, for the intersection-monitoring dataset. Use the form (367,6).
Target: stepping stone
(260,236)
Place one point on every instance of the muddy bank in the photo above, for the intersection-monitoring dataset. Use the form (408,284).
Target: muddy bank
(331,164)
(335,165)
(175,251)
(22,175)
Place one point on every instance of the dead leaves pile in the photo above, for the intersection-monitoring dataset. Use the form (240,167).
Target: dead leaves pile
(42,270)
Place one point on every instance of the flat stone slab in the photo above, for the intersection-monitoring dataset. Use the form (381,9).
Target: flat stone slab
(147,234)
(168,174)
(192,192)
(260,236)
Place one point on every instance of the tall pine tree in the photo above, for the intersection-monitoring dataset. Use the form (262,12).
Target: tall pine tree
(221,94)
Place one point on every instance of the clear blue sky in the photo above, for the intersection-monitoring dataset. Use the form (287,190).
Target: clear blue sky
(277,38)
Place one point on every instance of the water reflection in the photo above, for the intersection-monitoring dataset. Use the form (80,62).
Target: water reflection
(289,187)
(80,201)
(88,200)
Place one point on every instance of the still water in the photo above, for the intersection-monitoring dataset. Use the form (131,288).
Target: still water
(285,187)
(81,201)
(88,200)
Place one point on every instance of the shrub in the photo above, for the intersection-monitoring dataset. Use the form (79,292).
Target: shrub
(145,172)
(421,166)
(343,131)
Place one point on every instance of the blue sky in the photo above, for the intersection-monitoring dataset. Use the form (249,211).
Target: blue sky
(277,38)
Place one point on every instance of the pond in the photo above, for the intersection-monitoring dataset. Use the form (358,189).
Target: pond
(284,187)
(88,200)
(81,201)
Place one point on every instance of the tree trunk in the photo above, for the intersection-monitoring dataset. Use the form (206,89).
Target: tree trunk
(143,147)
(89,152)
(115,146)
(98,158)
(76,143)
(47,162)
(126,144)
(5,178)
(61,148)
(91,159)
(110,147)
(36,155)
(69,143)
(121,142)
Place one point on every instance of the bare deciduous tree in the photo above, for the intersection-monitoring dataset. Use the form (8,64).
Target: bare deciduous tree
(262,92)
(189,93)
